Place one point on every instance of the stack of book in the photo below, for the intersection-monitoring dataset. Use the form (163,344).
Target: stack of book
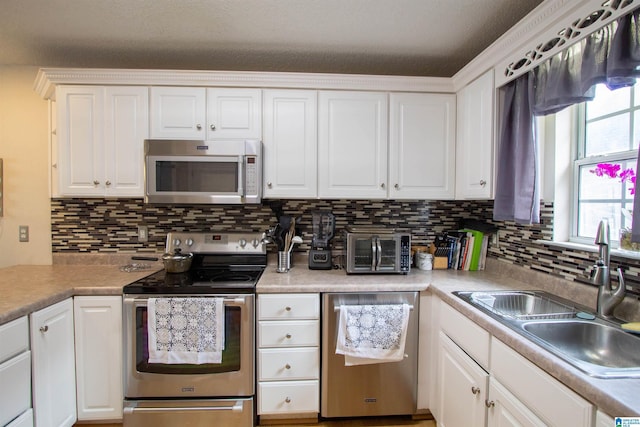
(467,249)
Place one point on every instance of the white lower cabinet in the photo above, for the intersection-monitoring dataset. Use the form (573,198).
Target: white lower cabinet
(463,384)
(603,420)
(54,375)
(288,355)
(15,373)
(98,332)
(481,381)
(505,410)
(24,420)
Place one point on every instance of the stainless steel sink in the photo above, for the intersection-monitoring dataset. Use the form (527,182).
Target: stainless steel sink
(596,346)
(520,305)
(599,348)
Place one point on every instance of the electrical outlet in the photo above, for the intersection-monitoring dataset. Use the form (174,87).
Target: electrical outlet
(23,233)
(143,233)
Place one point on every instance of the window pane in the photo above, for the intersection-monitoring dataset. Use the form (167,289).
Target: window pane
(636,130)
(608,101)
(594,187)
(590,215)
(607,135)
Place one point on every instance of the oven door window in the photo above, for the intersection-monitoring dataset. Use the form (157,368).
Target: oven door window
(388,254)
(230,354)
(197,176)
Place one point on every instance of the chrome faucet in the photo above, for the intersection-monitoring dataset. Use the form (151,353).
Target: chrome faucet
(608,298)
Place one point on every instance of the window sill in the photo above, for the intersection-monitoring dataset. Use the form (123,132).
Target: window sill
(619,253)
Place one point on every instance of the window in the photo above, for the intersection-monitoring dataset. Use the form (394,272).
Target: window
(609,131)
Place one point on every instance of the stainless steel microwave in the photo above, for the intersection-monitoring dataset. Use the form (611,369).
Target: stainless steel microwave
(209,172)
(377,251)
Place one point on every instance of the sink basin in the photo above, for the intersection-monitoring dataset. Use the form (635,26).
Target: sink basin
(612,351)
(596,346)
(520,305)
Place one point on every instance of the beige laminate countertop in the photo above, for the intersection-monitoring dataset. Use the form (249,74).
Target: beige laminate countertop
(26,289)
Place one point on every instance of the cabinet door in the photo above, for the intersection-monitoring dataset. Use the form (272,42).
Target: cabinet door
(422,146)
(234,113)
(54,376)
(505,410)
(462,387)
(126,118)
(475,153)
(178,112)
(98,332)
(352,145)
(80,140)
(290,143)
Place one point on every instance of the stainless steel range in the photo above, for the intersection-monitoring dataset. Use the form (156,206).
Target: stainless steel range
(179,391)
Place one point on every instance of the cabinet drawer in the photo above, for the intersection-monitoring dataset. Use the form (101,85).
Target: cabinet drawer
(288,364)
(470,337)
(549,399)
(15,393)
(14,337)
(288,397)
(288,306)
(295,333)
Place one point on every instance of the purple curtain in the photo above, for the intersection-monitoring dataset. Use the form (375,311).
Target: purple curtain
(610,55)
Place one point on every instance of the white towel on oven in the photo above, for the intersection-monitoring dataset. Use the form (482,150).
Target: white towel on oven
(185,330)
(370,334)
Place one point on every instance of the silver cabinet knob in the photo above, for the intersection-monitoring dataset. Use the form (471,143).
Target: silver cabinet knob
(44,328)
(288,336)
(475,390)
(483,183)
(269,184)
(96,182)
(287,366)
(287,308)
(489,403)
(382,185)
(212,127)
(108,183)
(397,186)
(199,126)
(287,399)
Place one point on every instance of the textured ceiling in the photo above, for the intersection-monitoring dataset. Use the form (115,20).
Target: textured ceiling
(396,37)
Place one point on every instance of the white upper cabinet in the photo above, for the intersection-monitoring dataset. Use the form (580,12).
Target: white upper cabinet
(290,143)
(422,146)
(475,144)
(206,113)
(234,113)
(178,112)
(352,144)
(100,136)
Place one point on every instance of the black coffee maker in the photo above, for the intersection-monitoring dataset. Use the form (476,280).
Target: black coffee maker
(323,229)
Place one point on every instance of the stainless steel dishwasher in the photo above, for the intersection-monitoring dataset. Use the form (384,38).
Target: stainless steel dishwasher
(367,390)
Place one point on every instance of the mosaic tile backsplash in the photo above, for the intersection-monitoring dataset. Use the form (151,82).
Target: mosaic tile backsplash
(110,226)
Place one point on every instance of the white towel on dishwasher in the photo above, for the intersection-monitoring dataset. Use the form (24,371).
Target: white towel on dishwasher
(185,330)
(370,334)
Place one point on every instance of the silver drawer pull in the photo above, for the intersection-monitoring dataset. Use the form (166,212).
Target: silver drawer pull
(475,390)
(287,399)
(287,308)
(44,328)
(288,336)
(287,366)
(237,407)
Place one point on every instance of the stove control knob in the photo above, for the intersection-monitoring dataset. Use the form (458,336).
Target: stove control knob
(176,242)
(189,242)
(242,243)
(255,243)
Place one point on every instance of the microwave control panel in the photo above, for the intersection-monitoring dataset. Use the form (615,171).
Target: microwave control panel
(405,253)
(251,171)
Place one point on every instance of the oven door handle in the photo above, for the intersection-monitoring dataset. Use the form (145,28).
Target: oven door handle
(238,406)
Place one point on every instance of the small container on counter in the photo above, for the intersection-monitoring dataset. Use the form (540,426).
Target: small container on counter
(424,260)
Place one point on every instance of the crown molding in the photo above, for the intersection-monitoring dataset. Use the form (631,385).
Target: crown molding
(48,78)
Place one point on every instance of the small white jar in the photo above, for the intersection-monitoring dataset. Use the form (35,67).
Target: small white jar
(424,261)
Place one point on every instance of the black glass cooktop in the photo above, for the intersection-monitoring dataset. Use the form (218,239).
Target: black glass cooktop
(207,281)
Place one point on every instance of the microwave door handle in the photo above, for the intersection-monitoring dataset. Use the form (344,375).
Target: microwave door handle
(241,176)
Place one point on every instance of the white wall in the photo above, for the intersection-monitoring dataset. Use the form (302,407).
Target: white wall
(24,148)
